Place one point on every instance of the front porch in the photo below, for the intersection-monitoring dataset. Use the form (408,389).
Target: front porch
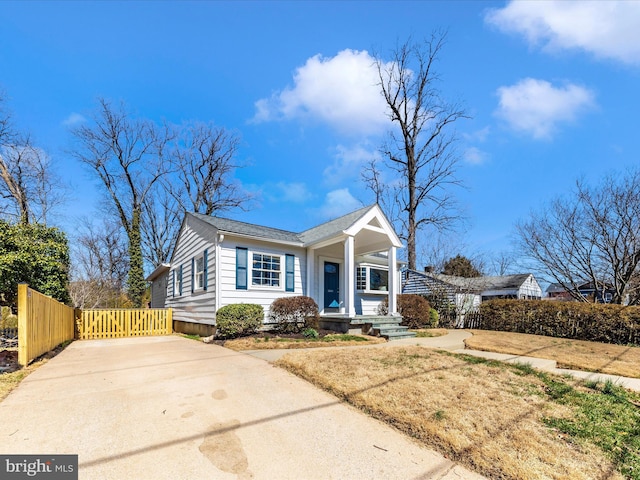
(385,326)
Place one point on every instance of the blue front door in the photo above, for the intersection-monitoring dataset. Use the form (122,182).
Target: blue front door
(331,285)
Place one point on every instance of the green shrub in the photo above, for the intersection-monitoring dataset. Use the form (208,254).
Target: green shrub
(434,318)
(581,321)
(238,319)
(8,319)
(415,310)
(310,333)
(293,314)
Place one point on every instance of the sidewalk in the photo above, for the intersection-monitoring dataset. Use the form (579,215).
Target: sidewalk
(454,342)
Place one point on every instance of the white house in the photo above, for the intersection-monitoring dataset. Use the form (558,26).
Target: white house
(347,265)
(466,294)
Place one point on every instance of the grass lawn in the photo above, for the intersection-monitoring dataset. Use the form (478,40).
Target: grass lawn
(501,420)
(337,340)
(574,354)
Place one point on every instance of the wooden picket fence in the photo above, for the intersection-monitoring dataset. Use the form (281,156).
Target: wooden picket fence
(119,323)
(43,324)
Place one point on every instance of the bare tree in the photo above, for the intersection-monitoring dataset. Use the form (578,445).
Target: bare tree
(592,236)
(501,263)
(100,266)
(126,154)
(162,215)
(29,187)
(201,161)
(420,150)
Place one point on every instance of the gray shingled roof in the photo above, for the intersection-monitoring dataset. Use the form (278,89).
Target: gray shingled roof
(325,230)
(333,227)
(243,228)
(480,283)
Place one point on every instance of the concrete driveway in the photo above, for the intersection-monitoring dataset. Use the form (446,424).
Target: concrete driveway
(173,408)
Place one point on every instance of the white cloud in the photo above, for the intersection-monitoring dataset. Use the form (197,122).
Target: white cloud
(348,162)
(294,192)
(478,135)
(536,107)
(73,119)
(474,156)
(338,203)
(342,91)
(605,29)
(281,192)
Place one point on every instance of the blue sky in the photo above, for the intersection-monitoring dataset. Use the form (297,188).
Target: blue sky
(552,89)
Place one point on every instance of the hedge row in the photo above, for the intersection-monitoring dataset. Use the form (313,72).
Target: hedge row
(580,321)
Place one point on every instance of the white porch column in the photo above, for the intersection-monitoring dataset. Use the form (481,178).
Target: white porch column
(310,291)
(393,281)
(349,278)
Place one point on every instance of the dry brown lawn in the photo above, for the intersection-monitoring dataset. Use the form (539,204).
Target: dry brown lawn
(250,343)
(487,417)
(9,381)
(573,354)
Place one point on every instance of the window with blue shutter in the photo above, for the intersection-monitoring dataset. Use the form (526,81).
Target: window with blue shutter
(206,270)
(193,274)
(241,268)
(290,277)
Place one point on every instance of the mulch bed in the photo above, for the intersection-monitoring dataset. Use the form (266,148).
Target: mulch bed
(321,333)
(9,361)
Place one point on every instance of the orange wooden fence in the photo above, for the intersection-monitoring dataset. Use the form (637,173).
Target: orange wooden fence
(43,324)
(118,323)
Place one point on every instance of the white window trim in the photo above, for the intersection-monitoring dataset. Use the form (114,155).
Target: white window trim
(368,267)
(198,274)
(282,280)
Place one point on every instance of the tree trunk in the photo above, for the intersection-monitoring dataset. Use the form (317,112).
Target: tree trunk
(135,282)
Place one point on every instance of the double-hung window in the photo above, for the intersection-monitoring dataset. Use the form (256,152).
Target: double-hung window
(199,273)
(255,269)
(265,270)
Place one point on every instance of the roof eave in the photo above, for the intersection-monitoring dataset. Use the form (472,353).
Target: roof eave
(160,269)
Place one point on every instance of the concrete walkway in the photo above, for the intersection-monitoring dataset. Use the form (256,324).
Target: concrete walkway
(454,342)
(172,408)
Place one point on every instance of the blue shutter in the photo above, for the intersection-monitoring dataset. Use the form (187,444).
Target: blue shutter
(290,277)
(180,281)
(193,274)
(206,270)
(173,283)
(241,268)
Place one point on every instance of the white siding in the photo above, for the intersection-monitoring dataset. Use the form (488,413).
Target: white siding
(264,296)
(159,291)
(199,306)
(367,304)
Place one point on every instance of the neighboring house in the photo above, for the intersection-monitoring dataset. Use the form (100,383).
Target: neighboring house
(466,294)
(343,264)
(555,291)
(602,294)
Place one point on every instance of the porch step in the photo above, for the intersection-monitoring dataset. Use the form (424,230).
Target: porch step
(375,319)
(386,327)
(398,335)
